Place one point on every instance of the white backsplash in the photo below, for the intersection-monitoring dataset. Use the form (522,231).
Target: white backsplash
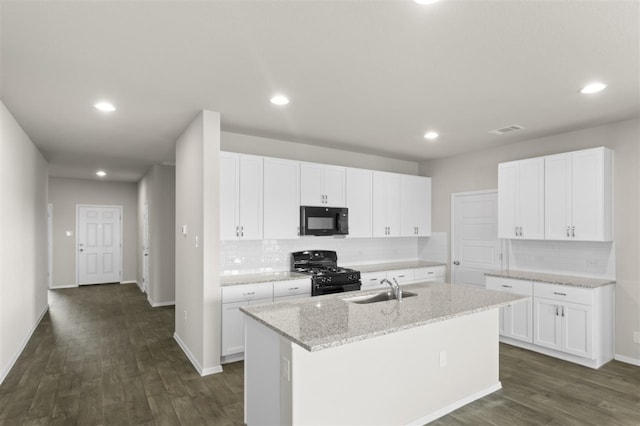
(585,259)
(247,257)
(435,248)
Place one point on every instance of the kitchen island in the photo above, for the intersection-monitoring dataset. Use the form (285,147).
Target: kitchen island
(330,361)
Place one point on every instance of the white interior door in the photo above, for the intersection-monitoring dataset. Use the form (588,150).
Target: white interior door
(475,247)
(99,244)
(145,248)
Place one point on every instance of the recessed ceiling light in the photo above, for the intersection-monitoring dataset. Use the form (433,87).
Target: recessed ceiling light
(425,1)
(431,135)
(101,173)
(105,106)
(593,87)
(279,100)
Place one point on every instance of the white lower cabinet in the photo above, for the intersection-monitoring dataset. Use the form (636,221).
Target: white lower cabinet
(516,320)
(234,297)
(572,323)
(430,274)
(564,325)
(373,280)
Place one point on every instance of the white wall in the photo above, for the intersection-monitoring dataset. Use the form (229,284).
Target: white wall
(255,145)
(198,310)
(158,189)
(23,242)
(64,194)
(479,170)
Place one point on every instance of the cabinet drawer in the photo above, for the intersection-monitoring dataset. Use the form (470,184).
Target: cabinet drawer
(239,293)
(564,293)
(401,275)
(372,279)
(519,287)
(292,287)
(436,273)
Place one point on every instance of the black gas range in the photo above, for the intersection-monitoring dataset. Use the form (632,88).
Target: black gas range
(326,276)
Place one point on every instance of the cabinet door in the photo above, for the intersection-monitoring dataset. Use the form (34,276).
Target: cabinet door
(334,186)
(577,323)
(393,204)
(380,204)
(557,197)
(507,198)
(587,189)
(229,192)
(359,201)
(520,325)
(311,191)
(547,330)
(251,197)
(232,328)
(281,199)
(415,206)
(530,208)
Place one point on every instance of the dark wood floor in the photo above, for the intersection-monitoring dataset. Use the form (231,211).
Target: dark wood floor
(103,356)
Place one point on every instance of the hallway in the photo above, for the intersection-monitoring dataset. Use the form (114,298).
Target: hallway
(102,355)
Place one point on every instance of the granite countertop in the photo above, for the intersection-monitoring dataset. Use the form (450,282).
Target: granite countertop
(324,322)
(263,277)
(378,267)
(552,278)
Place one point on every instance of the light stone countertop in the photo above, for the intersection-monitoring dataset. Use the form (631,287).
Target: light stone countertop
(263,277)
(324,322)
(391,266)
(552,278)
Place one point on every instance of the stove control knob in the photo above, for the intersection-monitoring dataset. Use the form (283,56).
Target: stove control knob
(328,279)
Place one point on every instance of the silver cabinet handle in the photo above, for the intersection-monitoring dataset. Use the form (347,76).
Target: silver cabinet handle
(430,273)
(373,279)
(521,231)
(237,231)
(559,294)
(556,310)
(242,231)
(249,294)
(506,286)
(568,233)
(293,288)
(455,262)
(562,310)
(516,231)
(401,276)
(573,231)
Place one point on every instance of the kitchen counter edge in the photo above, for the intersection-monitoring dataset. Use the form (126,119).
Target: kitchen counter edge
(566,280)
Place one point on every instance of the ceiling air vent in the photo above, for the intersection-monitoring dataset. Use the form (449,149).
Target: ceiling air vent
(505,130)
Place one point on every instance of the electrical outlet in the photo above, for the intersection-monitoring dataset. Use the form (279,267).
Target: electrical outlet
(185,316)
(285,369)
(636,337)
(443,359)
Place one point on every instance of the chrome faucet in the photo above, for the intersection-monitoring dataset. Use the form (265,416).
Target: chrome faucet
(397,291)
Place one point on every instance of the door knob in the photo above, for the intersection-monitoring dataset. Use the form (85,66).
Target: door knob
(455,262)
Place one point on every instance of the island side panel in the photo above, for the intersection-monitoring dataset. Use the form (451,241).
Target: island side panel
(261,375)
(397,378)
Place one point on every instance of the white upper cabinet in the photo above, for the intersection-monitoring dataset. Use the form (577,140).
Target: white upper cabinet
(322,185)
(386,204)
(521,199)
(415,206)
(281,199)
(579,195)
(360,202)
(241,196)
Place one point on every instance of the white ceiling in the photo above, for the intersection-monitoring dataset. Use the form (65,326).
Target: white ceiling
(362,76)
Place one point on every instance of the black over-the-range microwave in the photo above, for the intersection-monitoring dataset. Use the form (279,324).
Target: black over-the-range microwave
(324,220)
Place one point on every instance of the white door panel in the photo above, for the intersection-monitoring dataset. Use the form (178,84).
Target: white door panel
(476,248)
(99,244)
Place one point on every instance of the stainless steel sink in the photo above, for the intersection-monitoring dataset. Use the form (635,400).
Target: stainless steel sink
(378,297)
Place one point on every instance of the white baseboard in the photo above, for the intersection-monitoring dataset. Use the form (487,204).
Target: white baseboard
(14,358)
(129,282)
(454,406)
(63,286)
(157,304)
(194,361)
(232,358)
(627,359)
